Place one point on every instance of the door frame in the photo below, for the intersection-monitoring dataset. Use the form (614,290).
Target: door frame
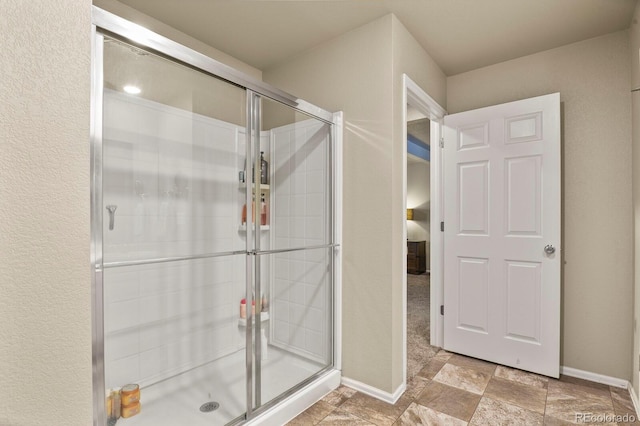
(413,95)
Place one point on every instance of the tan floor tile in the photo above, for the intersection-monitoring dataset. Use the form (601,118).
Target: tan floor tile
(463,378)
(431,369)
(335,398)
(475,364)
(374,410)
(449,400)
(494,413)
(552,421)
(340,417)
(346,391)
(520,376)
(443,355)
(621,400)
(415,386)
(419,415)
(623,406)
(582,382)
(567,400)
(524,396)
(312,415)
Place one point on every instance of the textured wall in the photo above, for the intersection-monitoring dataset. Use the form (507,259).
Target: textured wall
(593,80)
(45,281)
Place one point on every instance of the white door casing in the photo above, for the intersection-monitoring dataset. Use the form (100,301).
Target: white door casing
(502,188)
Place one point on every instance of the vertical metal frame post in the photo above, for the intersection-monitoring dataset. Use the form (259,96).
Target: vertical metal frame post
(96,254)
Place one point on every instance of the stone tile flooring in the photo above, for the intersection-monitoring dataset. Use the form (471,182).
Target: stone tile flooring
(456,390)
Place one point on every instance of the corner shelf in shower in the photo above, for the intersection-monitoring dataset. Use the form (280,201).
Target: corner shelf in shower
(263,187)
(243,228)
(264,316)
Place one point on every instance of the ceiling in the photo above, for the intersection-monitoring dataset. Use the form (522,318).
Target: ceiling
(460,35)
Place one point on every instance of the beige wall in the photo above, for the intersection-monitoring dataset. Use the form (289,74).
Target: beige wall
(634,38)
(161,28)
(45,280)
(593,80)
(353,74)
(360,73)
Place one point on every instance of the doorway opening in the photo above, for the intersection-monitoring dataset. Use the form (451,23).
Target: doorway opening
(418,239)
(422,277)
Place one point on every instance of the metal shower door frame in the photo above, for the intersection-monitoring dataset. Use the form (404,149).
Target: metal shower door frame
(106,23)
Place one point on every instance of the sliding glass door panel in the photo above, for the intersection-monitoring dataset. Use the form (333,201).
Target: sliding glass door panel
(173,256)
(212,239)
(296,327)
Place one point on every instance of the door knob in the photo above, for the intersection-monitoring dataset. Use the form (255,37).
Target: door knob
(549,249)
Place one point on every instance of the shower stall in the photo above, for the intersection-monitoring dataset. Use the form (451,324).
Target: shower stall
(214,238)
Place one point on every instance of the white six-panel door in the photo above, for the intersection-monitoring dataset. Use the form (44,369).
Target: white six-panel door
(501,209)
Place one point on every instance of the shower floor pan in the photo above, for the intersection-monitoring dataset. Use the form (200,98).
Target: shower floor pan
(177,401)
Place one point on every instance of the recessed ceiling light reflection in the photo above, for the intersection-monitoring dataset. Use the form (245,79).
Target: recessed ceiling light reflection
(133,90)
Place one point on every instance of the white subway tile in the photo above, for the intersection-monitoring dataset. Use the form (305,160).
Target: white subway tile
(296,315)
(315,228)
(120,284)
(281,332)
(153,336)
(153,308)
(315,343)
(315,205)
(316,182)
(121,344)
(296,294)
(297,270)
(316,296)
(121,315)
(281,310)
(282,207)
(153,362)
(315,319)
(122,371)
(297,227)
(281,267)
(298,184)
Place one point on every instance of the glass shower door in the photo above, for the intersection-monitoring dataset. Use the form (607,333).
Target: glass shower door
(212,237)
(293,250)
(173,256)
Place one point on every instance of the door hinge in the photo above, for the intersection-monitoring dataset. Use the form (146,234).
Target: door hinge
(441,142)
(441,309)
(441,226)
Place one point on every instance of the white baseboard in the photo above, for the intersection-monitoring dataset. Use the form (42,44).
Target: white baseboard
(286,410)
(594,377)
(391,398)
(634,399)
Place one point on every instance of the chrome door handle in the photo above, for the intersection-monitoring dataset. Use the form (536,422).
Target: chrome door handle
(112,216)
(549,249)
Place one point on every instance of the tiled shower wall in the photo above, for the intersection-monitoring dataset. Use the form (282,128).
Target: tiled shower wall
(301,279)
(174,178)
